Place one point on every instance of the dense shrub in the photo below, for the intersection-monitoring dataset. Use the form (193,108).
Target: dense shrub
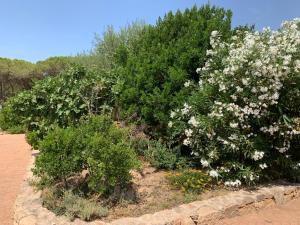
(60,154)
(160,156)
(9,121)
(163,57)
(59,100)
(109,160)
(242,121)
(95,145)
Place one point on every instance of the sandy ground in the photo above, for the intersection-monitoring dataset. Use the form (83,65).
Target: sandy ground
(14,156)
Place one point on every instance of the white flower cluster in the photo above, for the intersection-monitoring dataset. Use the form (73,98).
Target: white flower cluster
(193,122)
(250,73)
(204,163)
(213,173)
(235,183)
(186,109)
(258,155)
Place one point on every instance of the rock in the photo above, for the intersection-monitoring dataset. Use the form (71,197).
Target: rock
(28,220)
(183,221)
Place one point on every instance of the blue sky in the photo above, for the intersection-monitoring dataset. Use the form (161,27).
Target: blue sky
(36,29)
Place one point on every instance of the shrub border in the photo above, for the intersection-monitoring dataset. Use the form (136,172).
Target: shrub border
(28,208)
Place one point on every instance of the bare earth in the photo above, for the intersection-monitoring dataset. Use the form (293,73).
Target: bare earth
(14,157)
(287,214)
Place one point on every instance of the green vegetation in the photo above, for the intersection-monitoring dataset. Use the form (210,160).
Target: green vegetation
(72,205)
(95,145)
(185,94)
(190,180)
(163,58)
(160,156)
(59,100)
(17,75)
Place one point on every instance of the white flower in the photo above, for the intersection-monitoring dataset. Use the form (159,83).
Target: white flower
(233,125)
(245,81)
(222,87)
(235,183)
(186,109)
(170,124)
(200,83)
(173,114)
(188,132)
(258,155)
(239,89)
(186,142)
(263,89)
(263,166)
(193,121)
(214,33)
(204,163)
(213,173)
(198,70)
(187,83)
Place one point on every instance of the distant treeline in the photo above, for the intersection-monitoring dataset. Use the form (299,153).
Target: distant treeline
(16,75)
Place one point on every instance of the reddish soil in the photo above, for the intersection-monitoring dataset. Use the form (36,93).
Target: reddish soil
(14,156)
(287,214)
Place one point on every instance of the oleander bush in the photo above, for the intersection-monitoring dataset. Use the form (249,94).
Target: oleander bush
(242,120)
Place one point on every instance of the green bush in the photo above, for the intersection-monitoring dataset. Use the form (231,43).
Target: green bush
(95,145)
(160,156)
(109,159)
(61,100)
(9,121)
(162,59)
(60,155)
(190,180)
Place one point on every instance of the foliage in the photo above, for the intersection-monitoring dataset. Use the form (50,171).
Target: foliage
(59,100)
(95,145)
(109,159)
(160,156)
(242,121)
(72,205)
(32,138)
(162,58)
(17,75)
(60,155)
(9,122)
(52,66)
(190,180)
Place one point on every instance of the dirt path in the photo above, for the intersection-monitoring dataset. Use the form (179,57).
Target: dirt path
(287,214)
(14,157)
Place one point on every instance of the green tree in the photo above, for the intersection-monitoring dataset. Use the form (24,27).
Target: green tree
(163,58)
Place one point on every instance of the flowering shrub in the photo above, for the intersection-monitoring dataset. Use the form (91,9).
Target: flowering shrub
(242,121)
